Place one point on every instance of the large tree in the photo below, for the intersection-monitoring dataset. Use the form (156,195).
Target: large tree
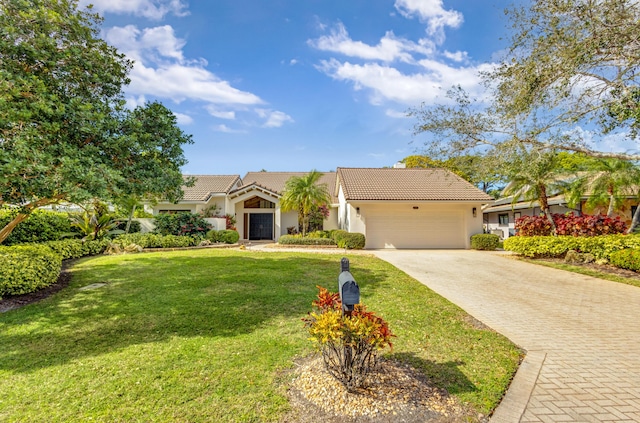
(64,132)
(572,68)
(303,194)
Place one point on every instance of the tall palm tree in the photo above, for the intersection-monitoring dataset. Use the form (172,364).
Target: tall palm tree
(303,194)
(607,181)
(534,177)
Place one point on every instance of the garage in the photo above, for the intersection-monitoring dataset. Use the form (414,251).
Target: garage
(409,208)
(419,227)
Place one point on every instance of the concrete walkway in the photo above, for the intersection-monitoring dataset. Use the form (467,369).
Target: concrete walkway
(581,334)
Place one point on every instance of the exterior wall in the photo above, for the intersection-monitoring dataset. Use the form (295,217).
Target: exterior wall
(170,206)
(358,212)
(237,208)
(288,220)
(331,222)
(147,224)
(492,223)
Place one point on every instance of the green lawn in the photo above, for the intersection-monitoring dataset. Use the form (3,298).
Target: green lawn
(204,335)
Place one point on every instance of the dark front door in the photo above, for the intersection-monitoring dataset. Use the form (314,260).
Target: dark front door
(260,226)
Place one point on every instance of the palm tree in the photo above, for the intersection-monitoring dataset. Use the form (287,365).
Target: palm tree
(608,181)
(303,194)
(534,176)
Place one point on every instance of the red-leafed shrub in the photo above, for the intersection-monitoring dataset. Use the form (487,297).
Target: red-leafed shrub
(570,225)
(349,342)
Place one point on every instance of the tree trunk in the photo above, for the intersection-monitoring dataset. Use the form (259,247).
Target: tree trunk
(9,227)
(133,211)
(544,206)
(611,202)
(635,220)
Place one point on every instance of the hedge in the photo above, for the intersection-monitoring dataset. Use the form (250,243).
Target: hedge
(227,236)
(351,241)
(184,224)
(487,242)
(75,248)
(27,268)
(627,259)
(299,240)
(40,226)
(151,240)
(549,246)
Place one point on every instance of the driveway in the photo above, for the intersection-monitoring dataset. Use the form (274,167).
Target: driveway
(581,334)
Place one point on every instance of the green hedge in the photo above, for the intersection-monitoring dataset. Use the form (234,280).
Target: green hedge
(299,240)
(351,241)
(27,268)
(487,242)
(40,226)
(75,248)
(226,236)
(151,240)
(627,259)
(549,246)
(183,224)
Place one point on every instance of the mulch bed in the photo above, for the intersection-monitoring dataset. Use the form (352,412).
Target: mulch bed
(395,393)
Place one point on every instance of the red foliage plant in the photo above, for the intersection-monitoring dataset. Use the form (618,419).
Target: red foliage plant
(570,224)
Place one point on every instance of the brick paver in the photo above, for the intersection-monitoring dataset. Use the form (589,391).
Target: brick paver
(581,334)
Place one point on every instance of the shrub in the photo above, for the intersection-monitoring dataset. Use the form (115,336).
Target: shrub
(626,259)
(349,343)
(570,225)
(557,246)
(228,236)
(336,234)
(300,240)
(151,240)
(485,242)
(27,268)
(352,241)
(133,229)
(212,235)
(74,248)
(319,234)
(40,226)
(184,224)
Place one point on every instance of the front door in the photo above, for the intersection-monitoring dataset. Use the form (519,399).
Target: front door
(260,226)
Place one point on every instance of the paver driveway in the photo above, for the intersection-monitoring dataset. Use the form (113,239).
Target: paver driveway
(581,334)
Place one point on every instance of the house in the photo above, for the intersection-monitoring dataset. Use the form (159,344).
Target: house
(499,217)
(254,201)
(409,208)
(394,208)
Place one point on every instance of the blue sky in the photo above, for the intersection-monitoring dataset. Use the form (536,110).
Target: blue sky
(290,85)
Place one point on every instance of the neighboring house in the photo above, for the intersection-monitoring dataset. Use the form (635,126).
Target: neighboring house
(499,217)
(254,201)
(409,208)
(393,208)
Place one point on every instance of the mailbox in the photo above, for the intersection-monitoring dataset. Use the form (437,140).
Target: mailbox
(347,287)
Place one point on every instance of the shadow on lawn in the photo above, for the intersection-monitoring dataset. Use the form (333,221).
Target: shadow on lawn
(150,298)
(447,375)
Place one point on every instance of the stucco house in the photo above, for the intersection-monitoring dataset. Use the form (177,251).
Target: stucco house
(394,208)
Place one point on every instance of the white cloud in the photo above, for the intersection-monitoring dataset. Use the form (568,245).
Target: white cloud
(160,69)
(389,49)
(274,118)
(458,56)
(133,102)
(183,119)
(224,128)
(151,9)
(395,114)
(388,83)
(222,114)
(432,13)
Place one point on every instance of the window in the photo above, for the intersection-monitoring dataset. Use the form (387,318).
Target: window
(173,211)
(503,219)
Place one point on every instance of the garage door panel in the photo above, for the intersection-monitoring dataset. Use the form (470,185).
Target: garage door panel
(415,229)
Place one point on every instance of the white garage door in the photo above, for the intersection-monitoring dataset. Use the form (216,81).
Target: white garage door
(408,228)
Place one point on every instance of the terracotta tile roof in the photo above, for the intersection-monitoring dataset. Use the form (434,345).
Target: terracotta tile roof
(275,181)
(209,184)
(406,185)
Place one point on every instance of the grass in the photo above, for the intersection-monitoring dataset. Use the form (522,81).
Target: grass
(206,335)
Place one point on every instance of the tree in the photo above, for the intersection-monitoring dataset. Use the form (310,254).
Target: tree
(303,194)
(534,177)
(577,61)
(64,132)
